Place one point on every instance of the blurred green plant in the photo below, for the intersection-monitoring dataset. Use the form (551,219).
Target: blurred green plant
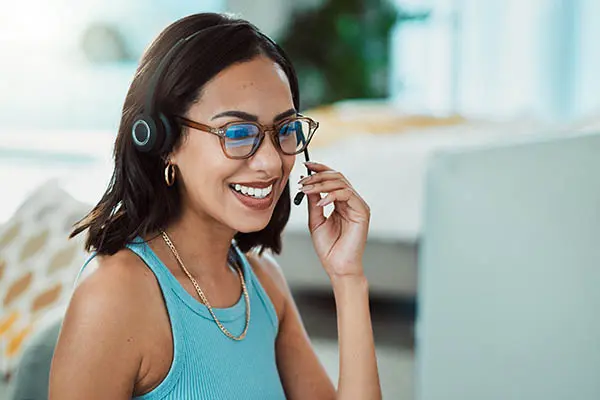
(341,49)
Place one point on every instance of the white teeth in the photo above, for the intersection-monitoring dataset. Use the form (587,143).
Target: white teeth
(254,192)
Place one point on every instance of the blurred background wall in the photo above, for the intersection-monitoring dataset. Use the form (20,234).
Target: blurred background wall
(491,59)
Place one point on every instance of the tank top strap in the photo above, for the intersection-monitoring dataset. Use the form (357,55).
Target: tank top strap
(164,277)
(166,281)
(85,264)
(139,247)
(167,284)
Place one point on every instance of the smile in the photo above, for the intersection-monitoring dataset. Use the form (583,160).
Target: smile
(258,196)
(258,193)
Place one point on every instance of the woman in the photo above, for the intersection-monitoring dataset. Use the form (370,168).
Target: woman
(174,308)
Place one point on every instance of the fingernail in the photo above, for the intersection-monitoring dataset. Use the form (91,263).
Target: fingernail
(307,188)
(303,180)
(310,162)
(322,202)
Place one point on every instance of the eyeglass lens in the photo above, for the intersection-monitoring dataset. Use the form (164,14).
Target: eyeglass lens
(241,138)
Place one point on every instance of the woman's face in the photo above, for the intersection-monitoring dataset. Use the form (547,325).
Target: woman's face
(256,90)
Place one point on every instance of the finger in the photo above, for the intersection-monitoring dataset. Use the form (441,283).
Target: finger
(339,195)
(316,217)
(324,187)
(323,176)
(347,196)
(316,166)
(324,172)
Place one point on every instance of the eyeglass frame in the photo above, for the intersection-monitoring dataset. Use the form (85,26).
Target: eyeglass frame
(262,129)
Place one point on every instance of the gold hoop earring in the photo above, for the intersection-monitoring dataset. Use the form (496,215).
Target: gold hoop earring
(170,174)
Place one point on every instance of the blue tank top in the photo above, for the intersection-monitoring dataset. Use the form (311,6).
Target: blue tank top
(207,365)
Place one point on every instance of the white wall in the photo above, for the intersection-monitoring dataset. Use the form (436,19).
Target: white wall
(587,73)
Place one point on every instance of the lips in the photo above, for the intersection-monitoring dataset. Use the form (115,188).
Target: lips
(256,195)
(257,184)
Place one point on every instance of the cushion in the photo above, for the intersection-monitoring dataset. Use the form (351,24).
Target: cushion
(38,266)
(32,377)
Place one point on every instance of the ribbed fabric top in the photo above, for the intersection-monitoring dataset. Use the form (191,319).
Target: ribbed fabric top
(207,365)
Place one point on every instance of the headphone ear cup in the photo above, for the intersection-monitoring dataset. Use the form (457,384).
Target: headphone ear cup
(168,133)
(145,133)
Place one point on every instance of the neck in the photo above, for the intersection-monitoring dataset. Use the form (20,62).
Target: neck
(202,243)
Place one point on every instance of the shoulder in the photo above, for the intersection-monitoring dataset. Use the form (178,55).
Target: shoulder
(113,291)
(114,281)
(271,277)
(113,302)
(104,327)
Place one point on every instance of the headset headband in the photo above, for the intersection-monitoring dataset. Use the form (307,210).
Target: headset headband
(149,106)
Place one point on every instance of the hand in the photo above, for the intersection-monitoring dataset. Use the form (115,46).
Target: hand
(339,239)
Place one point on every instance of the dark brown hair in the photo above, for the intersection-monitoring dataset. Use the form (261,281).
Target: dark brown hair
(137,200)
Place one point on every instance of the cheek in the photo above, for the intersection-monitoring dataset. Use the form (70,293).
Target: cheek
(288,164)
(203,164)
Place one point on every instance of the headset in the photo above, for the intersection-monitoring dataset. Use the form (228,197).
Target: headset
(152,130)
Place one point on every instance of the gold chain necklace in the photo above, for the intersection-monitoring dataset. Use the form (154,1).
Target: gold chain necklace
(203,297)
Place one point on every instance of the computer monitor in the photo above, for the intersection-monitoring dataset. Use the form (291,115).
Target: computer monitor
(509,272)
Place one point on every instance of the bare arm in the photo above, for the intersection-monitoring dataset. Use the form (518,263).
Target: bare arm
(96,356)
(359,378)
(339,240)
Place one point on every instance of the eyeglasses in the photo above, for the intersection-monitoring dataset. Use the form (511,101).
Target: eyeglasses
(242,139)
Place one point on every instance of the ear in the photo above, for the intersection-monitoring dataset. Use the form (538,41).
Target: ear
(176,149)
(169,158)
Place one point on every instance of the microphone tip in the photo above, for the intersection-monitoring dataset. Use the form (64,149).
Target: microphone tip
(298,198)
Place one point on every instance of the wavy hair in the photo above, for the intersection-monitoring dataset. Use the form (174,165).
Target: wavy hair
(137,201)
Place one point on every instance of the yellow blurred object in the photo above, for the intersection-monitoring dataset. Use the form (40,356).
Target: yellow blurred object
(15,342)
(339,121)
(7,321)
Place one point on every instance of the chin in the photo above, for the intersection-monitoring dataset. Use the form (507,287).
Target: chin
(247,216)
(247,224)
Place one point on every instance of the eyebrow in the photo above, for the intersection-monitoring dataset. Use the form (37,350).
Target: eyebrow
(251,117)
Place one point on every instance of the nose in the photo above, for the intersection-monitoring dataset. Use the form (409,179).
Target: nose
(267,157)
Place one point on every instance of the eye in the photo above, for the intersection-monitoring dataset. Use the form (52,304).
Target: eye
(291,128)
(241,131)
